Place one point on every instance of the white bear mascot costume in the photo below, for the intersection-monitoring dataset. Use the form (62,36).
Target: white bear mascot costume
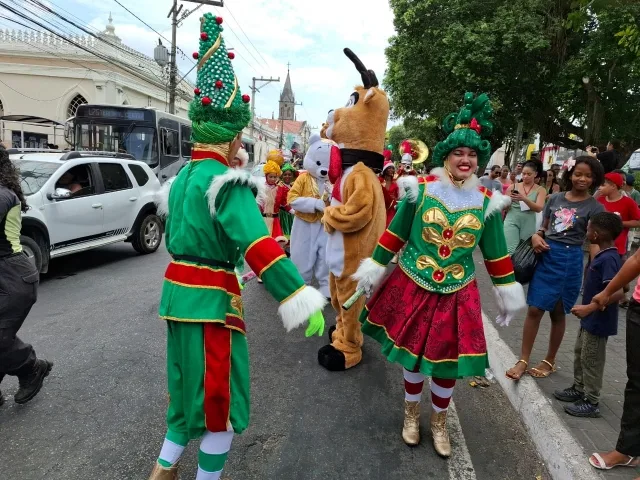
(308,197)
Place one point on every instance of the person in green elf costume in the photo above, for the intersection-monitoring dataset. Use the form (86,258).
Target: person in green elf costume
(427,313)
(212,220)
(289,175)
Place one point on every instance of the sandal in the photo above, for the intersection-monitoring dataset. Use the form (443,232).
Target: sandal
(537,373)
(601,465)
(515,379)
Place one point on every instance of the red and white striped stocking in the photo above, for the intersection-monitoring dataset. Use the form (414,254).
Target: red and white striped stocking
(441,391)
(413,383)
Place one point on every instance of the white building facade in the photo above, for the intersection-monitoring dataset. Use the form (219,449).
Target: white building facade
(43,76)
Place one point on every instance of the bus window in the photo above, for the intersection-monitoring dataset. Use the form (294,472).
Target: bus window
(185,137)
(169,146)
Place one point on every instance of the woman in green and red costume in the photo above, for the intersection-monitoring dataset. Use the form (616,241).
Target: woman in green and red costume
(427,314)
(289,175)
(212,220)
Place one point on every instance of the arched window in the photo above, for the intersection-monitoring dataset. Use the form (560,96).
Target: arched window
(73,105)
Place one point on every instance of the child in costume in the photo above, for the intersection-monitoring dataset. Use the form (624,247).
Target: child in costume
(427,314)
(309,197)
(289,174)
(211,221)
(356,216)
(275,198)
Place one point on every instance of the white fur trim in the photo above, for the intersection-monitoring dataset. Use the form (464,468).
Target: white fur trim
(497,203)
(408,185)
(470,184)
(237,177)
(369,274)
(510,298)
(297,310)
(243,156)
(162,199)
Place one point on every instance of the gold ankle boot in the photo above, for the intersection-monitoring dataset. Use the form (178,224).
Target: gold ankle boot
(411,428)
(161,473)
(440,435)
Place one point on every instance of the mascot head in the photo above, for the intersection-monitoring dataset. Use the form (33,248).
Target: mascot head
(316,161)
(359,127)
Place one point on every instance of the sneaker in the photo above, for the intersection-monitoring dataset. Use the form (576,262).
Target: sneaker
(582,408)
(568,394)
(31,384)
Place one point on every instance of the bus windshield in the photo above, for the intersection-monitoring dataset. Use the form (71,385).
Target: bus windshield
(135,140)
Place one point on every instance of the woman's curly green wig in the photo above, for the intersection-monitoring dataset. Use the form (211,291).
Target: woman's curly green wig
(467,128)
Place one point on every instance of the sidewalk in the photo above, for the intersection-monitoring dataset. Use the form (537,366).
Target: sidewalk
(592,434)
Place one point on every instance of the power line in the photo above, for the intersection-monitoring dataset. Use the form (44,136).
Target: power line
(154,30)
(242,29)
(240,40)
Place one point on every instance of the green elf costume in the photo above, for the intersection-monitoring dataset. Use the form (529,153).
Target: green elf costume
(427,314)
(207,355)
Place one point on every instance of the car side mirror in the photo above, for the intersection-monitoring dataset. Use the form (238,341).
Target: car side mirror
(59,194)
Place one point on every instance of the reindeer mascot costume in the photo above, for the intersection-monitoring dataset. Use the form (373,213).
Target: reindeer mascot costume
(356,216)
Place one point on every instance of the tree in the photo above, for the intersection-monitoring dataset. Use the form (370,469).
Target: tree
(530,56)
(395,135)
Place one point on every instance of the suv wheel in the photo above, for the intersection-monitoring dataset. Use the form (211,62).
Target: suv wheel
(31,248)
(148,236)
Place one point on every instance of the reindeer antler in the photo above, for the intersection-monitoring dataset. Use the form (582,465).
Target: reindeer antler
(368,76)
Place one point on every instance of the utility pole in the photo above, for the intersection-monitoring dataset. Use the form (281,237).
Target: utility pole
(173,68)
(255,89)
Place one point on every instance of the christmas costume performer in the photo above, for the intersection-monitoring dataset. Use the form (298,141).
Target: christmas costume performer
(389,189)
(274,200)
(289,174)
(211,220)
(356,217)
(427,313)
(406,162)
(308,197)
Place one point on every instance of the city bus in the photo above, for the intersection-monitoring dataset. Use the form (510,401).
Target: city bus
(161,140)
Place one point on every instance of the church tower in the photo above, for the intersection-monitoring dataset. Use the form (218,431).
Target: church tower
(287,100)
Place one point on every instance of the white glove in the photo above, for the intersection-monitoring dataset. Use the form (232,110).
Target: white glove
(320,205)
(369,275)
(292,211)
(510,299)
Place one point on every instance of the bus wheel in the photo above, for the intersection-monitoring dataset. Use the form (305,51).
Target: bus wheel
(148,236)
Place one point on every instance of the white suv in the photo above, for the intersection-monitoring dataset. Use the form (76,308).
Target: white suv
(83,200)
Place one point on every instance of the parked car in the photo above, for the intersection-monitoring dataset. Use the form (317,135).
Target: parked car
(83,200)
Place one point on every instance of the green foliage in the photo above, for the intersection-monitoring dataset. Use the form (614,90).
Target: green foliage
(636,184)
(529,56)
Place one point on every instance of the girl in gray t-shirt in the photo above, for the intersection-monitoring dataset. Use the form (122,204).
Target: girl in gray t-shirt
(556,283)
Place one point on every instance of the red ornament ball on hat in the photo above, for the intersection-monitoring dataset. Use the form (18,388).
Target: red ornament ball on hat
(196,91)
(219,84)
(231,55)
(206,101)
(246,98)
(196,55)
(218,20)
(204,36)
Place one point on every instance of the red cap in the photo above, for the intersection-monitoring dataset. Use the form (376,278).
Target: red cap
(387,154)
(615,178)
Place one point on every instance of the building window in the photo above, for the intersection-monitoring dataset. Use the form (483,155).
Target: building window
(74,104)
(1,109)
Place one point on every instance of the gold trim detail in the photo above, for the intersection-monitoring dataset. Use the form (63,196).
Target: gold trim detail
(233,95)
(439,274)
(451,237)
(210,52)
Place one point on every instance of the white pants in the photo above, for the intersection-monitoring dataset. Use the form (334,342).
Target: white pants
(308,249)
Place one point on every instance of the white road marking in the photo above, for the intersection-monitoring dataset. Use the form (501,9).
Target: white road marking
(460,465)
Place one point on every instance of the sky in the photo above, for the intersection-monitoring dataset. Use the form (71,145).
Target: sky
(266,35)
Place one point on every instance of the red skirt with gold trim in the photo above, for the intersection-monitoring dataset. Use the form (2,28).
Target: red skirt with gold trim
(439,335)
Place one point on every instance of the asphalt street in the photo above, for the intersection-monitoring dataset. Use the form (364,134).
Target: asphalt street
(101,412)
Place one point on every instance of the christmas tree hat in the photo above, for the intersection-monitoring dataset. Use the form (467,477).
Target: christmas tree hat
(219,111)
(467,128)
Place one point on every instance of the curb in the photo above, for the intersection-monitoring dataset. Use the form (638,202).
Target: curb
(563,455)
